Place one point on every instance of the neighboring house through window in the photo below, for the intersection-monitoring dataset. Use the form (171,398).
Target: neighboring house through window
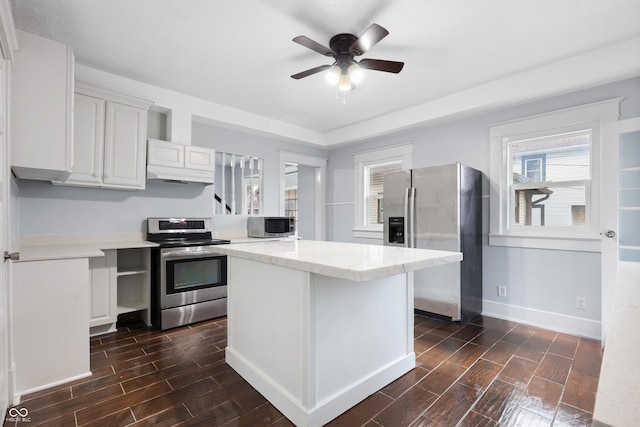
(545,173)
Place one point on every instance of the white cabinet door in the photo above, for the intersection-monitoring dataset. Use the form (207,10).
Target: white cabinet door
(110,139)
(41,109)
(103,289)
(50,309)
(125,146)
(164,153)
(88,141)
(199,158)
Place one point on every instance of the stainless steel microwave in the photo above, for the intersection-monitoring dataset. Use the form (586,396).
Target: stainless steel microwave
(271,226)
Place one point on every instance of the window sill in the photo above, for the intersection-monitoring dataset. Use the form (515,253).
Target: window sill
(367,233)
(562,243)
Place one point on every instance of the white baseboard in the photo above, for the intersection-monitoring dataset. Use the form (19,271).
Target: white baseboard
(18,394)
(325,411)
(543,319)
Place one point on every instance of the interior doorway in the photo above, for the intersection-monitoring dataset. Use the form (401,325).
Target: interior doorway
(300,198)
(302,193)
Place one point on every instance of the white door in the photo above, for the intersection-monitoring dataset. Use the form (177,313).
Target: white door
(4,282)
(620,224)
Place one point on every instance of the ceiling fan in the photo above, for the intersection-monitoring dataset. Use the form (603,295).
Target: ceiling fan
(346,71)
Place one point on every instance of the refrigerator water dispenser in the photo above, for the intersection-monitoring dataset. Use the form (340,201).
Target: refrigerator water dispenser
(396,229)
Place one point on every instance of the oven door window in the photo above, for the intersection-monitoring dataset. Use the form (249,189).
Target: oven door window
(189,274)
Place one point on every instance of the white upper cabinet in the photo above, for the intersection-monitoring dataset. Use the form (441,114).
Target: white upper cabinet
(110,139)
(42,109)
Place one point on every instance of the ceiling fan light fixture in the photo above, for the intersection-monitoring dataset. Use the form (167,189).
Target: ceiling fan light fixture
(333,75)
(355,73)
(344,85)
(347,72)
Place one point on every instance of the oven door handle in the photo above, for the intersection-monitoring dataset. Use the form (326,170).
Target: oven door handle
(168,255)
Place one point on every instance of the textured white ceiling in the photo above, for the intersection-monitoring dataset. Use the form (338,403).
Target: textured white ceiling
(239,53)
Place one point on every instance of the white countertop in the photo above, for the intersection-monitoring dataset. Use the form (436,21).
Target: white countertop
(618,395)
(50,247)
(351,261)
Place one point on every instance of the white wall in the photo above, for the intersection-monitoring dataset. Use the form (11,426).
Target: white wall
(542,284)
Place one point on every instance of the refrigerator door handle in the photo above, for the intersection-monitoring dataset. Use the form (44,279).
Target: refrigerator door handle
(407,229)
(410,215)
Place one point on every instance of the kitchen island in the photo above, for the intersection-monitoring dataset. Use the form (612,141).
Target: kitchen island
(316,327)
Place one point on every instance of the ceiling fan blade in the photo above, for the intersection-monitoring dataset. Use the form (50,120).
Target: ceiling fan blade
(366,41)
(313,45)
(310,71)
(381,65)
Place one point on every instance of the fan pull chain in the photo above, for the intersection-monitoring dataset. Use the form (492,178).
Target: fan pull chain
(341,94)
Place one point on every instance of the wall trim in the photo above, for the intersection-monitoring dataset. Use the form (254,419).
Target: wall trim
(564,323)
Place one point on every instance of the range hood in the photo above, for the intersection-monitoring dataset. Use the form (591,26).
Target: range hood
(171,162)
(179,175)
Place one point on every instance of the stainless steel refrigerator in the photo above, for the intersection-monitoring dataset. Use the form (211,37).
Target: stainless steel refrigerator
(439,208)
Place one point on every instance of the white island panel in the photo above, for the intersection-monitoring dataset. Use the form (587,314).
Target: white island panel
(360,329)
(316,345)
(265,321)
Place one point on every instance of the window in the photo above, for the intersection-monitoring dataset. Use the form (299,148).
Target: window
(545,178)
(370,167)
(374,190)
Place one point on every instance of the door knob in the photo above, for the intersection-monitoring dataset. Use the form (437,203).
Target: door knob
(610,234)
(13,256)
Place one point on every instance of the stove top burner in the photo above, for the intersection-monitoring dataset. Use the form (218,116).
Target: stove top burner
(177,242)
(181,232)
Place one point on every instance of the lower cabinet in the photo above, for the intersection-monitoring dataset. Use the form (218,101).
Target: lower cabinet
(120,283)
(50,310)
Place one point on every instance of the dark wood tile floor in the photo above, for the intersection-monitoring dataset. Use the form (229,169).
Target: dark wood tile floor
(488,373)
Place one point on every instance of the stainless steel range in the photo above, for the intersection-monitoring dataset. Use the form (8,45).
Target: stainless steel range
(188,276)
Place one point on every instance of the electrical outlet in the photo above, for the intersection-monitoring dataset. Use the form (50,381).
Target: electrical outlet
(502,291)
(581,303)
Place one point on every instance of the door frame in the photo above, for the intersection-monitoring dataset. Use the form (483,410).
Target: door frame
(8,44)
(611,132)
(320,165)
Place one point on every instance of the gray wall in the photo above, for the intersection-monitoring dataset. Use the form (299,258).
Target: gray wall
(40,207)
(539,279)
